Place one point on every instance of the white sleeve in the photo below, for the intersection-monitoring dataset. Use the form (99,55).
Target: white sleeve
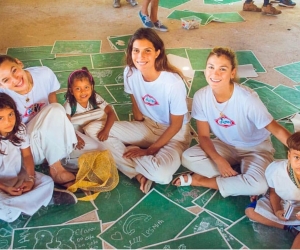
(67,108)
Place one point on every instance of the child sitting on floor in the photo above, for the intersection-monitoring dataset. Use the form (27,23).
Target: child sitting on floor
(22,190)
(283,179)
(84,105)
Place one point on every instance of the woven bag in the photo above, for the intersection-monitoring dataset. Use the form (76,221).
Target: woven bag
(97,173)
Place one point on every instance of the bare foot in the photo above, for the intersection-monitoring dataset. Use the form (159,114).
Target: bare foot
(60,175)
(145,183)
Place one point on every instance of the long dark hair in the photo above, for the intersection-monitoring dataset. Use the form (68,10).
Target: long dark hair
(7,102)
(161,62)
(79,75)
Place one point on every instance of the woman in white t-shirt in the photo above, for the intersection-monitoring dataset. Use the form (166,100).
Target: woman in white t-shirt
(150,147)
(242,126)
(52,136)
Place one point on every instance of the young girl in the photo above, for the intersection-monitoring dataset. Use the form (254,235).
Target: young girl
(160,130)
(22,190)
(84,105)
(283,178)
(52,136)
(242,125)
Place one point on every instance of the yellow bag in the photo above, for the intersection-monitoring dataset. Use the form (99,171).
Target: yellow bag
(97,173)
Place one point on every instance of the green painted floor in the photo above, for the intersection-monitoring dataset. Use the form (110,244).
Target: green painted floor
(167,217)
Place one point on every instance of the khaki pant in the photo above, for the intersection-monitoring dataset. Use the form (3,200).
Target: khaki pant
(253,163)
(160,167)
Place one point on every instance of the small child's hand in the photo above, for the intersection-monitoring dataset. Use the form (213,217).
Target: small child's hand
(80,142)
(13,191)
(27,186)
(298,216)
(102,135)
(279,214)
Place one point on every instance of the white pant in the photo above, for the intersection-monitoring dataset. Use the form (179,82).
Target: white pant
(160,167)
(253,163)
(52,136)
(90,144)
(12,206)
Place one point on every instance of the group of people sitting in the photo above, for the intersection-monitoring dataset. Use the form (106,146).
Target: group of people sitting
(35,129)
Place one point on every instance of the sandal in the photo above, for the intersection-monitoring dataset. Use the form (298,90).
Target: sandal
(184,183)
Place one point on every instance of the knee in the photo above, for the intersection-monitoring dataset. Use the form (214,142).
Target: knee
(57,108)
(249,211)
(258,186)
(162,176)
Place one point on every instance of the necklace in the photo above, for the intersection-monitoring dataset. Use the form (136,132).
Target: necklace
(293,175)
(30,84)
(222,111)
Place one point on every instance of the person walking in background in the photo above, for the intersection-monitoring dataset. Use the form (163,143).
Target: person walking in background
(117,3)
(151,21)
(266,9)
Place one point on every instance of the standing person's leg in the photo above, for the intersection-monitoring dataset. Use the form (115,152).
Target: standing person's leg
(158,25)
(250,6)
(144,15)
(268,9)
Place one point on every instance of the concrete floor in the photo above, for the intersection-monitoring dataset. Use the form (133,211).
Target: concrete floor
(274,40)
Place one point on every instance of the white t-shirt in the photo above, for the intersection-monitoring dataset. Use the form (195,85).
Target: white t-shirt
(245,116)
(11,160)
(278,178)
(44,83)
(101,103)
(160,98)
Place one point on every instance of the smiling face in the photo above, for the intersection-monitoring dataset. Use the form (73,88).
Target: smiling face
(13,77)
(144,55)
(219,72)
(294,158)
(82,89)
(7,120)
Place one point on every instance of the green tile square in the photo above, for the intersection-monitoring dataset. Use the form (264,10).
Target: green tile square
(150,221)
(76,47)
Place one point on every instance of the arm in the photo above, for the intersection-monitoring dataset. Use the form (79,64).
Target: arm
(111,118)
(278,131)
(175,126)
(275,204)
(80,142)
(52,97)
(137,114)
(29,166)
(208,147)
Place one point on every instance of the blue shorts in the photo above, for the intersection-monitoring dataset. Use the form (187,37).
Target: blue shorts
(252,204)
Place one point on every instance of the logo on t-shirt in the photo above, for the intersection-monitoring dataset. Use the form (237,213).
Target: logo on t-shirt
(224,121)
(33,109)
(150,100)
